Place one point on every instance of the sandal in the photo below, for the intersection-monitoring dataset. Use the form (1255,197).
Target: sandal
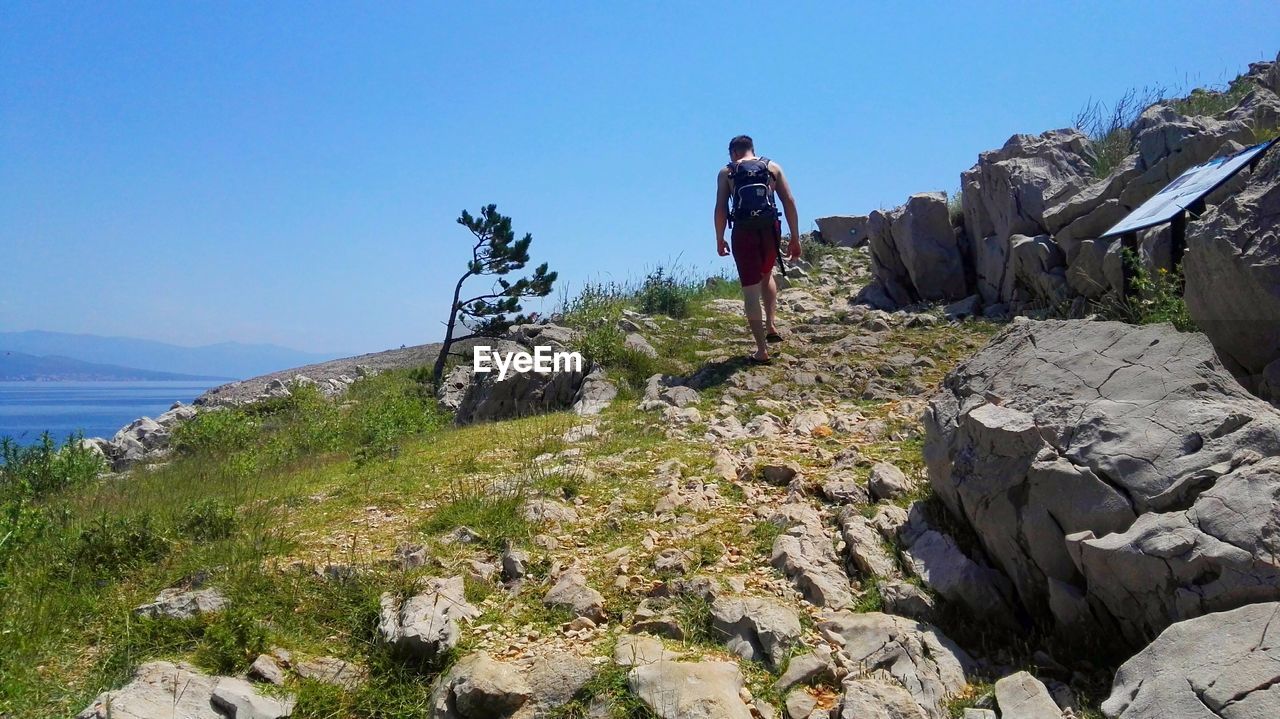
(752,359)
(773,337)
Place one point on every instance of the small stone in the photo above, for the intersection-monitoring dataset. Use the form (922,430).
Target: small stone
(266,669)
(183,604)
(571,591)
(330,670)
(888,482)
(780,474)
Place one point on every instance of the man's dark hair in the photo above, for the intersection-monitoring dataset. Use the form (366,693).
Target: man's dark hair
(741,143)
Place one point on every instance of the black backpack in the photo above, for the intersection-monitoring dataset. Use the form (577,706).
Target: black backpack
(752,192)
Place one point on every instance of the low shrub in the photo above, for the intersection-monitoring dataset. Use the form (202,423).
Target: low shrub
(208,520)
(112,545)
(216,433)
(663,293)
(386,409)
(1108,126)
(231,641)
(45,467)
(1154,297)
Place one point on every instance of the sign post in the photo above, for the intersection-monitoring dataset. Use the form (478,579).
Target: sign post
(1185,194)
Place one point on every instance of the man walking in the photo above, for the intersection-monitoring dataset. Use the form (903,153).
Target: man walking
(757,233)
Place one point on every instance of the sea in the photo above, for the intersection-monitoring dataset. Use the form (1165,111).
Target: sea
(98,409)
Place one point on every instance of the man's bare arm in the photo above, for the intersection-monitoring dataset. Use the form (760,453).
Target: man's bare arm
(722,209)
(788,207)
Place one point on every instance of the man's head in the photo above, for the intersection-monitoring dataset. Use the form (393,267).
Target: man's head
(740,147)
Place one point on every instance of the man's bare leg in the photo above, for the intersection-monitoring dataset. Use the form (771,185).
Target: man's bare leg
(770,295)
(751,302)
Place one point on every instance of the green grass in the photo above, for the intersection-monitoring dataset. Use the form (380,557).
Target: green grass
(494,513)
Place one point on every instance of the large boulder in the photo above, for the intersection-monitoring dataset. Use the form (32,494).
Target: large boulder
(894,287)
(1009,192)
(482,397)
(843,230)
(1111,472)
(1232,269)
(929,248)
(1219,666)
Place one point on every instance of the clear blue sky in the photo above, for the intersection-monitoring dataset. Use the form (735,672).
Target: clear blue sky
(290,172)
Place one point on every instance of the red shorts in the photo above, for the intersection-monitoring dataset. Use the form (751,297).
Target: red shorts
(755,250)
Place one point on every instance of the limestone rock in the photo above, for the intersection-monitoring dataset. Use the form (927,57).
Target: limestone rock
(178,603)
(843,230)
(800,704)
(690,690)
(806,421)
(1098,464)
(937,559)
(1218,666)
(633,650)
(1232,269)
(553,681)
(806,669)
(919,657)
(239,699)
(481,396)
(907,600)
(163,690)
(426,624)
(637,343)
(571,591)
(929,248)
(159,690)
(331,670)
(266,668)
(862,544)
(888,482)
(478,687)
(595,394)
(873,699)
(1022,696)
(843,488)
(756,629)
(1010,191)
(780,474)
(804,553)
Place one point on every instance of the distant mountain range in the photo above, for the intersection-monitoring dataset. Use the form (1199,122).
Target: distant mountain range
(16,366)
(225,359)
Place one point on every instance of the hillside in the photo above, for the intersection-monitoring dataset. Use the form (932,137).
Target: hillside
(958,491)
(632,501)
(225,359)
(16,366)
